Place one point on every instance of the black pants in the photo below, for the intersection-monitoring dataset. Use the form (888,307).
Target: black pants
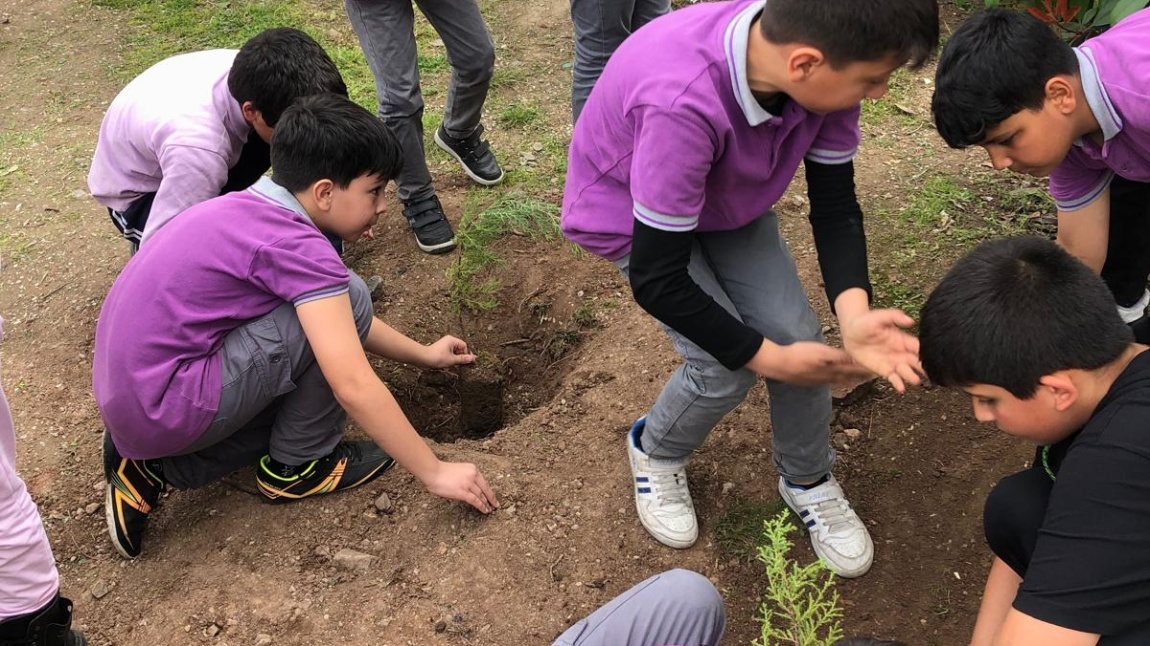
(1128,254)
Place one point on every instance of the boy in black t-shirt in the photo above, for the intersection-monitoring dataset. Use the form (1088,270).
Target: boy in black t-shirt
(1032,335)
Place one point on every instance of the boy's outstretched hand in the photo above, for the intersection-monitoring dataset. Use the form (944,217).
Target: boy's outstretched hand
(875,339)
(806,363)
(447,352)
(462,481)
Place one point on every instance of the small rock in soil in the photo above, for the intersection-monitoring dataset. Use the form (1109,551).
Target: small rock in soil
(91,507)
(383,503)
(852,433)
(263,639)
(440,626)
(99,589)
(212,630)
(352,559)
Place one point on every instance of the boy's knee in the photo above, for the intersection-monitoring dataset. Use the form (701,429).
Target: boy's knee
(360,304)
(1012,515)
(694,592)
(480,66)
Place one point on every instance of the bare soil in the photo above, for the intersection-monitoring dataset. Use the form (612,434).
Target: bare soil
(556,392)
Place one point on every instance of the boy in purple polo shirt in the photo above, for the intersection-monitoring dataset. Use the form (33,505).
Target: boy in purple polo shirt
(31,608)
(236,336)
(195,126)
(692,133)
(1081,115)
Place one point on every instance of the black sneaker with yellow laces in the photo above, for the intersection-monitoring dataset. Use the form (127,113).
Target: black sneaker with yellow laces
(133,489)
(351,464)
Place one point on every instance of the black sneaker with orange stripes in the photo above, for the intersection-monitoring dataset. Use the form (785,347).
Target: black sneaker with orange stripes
(351,464)
(133,489)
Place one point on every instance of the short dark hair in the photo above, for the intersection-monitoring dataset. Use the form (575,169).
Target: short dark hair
(1014,310)
(995,65)
(276,67)
(847,31)
(327,136)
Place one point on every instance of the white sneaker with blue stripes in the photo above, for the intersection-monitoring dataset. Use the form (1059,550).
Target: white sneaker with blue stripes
(661,494)
(838,535)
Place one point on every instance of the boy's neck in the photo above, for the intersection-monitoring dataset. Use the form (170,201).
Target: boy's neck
(766,63)
(1093,385)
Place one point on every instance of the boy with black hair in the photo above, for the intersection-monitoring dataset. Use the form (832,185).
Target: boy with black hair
(249,346)
(197,125)
(1081,115)
(32,612)
(1031,334)
(695,129)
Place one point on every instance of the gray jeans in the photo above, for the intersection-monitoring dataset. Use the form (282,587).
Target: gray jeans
(751,274)
(275,400)
(386,31)
(600,27)
(675,607)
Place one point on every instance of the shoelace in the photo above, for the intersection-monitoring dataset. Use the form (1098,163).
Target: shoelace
(833,513)
(670,488)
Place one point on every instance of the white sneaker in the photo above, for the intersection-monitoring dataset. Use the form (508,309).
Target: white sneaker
(838,535)
(661,494)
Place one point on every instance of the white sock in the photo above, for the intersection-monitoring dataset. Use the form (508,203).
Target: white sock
(1135,311)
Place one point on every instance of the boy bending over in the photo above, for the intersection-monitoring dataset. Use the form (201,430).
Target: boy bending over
(1081,115)
(237,336)
(1031,334)
(197,125)
(694,131)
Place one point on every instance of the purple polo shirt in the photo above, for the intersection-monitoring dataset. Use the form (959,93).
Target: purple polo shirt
(175,130)
(672,136)
(222,263)
(1113,67)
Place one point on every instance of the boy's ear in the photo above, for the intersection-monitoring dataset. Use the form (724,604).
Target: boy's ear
(803,61)
(321,193)
(250,112)
(1062,389)
(1061,95)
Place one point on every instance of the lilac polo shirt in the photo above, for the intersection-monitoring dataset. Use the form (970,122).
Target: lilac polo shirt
(222,263)
(28,577)
(175,130)
(673,137)
(1113,67)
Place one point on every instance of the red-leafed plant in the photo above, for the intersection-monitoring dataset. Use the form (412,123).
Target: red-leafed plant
(1077,20)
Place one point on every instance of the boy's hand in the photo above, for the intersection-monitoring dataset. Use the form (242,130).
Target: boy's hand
(446,352)
(806,363)
(875,339)
(462,481)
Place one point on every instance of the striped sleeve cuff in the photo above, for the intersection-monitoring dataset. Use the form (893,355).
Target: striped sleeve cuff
(831,157)
(1091,195)
(664,222)
(320,294)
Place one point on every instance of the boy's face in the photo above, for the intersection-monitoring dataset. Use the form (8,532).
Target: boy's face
(824,89)
(1039,419)
(355,209)
(1031,142)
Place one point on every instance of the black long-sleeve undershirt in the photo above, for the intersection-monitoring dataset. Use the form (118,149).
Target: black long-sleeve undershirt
(662,286)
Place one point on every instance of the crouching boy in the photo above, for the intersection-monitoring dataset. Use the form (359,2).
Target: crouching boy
(1032,335)
(237,337)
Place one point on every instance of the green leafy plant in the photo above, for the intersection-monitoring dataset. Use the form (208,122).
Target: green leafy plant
(1077,20)
(801,605)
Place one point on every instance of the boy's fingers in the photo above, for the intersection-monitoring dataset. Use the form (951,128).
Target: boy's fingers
(487,493)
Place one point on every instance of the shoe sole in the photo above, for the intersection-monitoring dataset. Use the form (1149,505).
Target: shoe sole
(475,178)
(111,518)
(436,249)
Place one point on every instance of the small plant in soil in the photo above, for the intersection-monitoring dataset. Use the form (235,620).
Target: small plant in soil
(801,605)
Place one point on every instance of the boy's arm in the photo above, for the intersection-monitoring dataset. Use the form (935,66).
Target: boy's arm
(330,329)
(873,338)
(1085,233)
(1001,587)
(188,176)
(1020,629)
(389,343)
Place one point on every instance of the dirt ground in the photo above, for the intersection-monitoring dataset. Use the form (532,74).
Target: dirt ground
(577,363)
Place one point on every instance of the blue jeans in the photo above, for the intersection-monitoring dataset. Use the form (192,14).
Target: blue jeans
(751,274)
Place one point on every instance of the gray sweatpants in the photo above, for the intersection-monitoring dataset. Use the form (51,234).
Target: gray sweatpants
(275,400)
(751,274)
(386,31)
(677,607)
(600,27)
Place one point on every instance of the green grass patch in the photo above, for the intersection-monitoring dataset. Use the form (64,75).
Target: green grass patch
(739,531)
(518,115)
(513,213)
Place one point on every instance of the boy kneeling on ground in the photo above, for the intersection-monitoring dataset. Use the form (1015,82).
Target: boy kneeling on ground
(1032,335)
(236,336)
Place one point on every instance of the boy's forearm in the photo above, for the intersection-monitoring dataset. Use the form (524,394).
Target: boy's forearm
(389,343)
(374,408)
(998,595)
